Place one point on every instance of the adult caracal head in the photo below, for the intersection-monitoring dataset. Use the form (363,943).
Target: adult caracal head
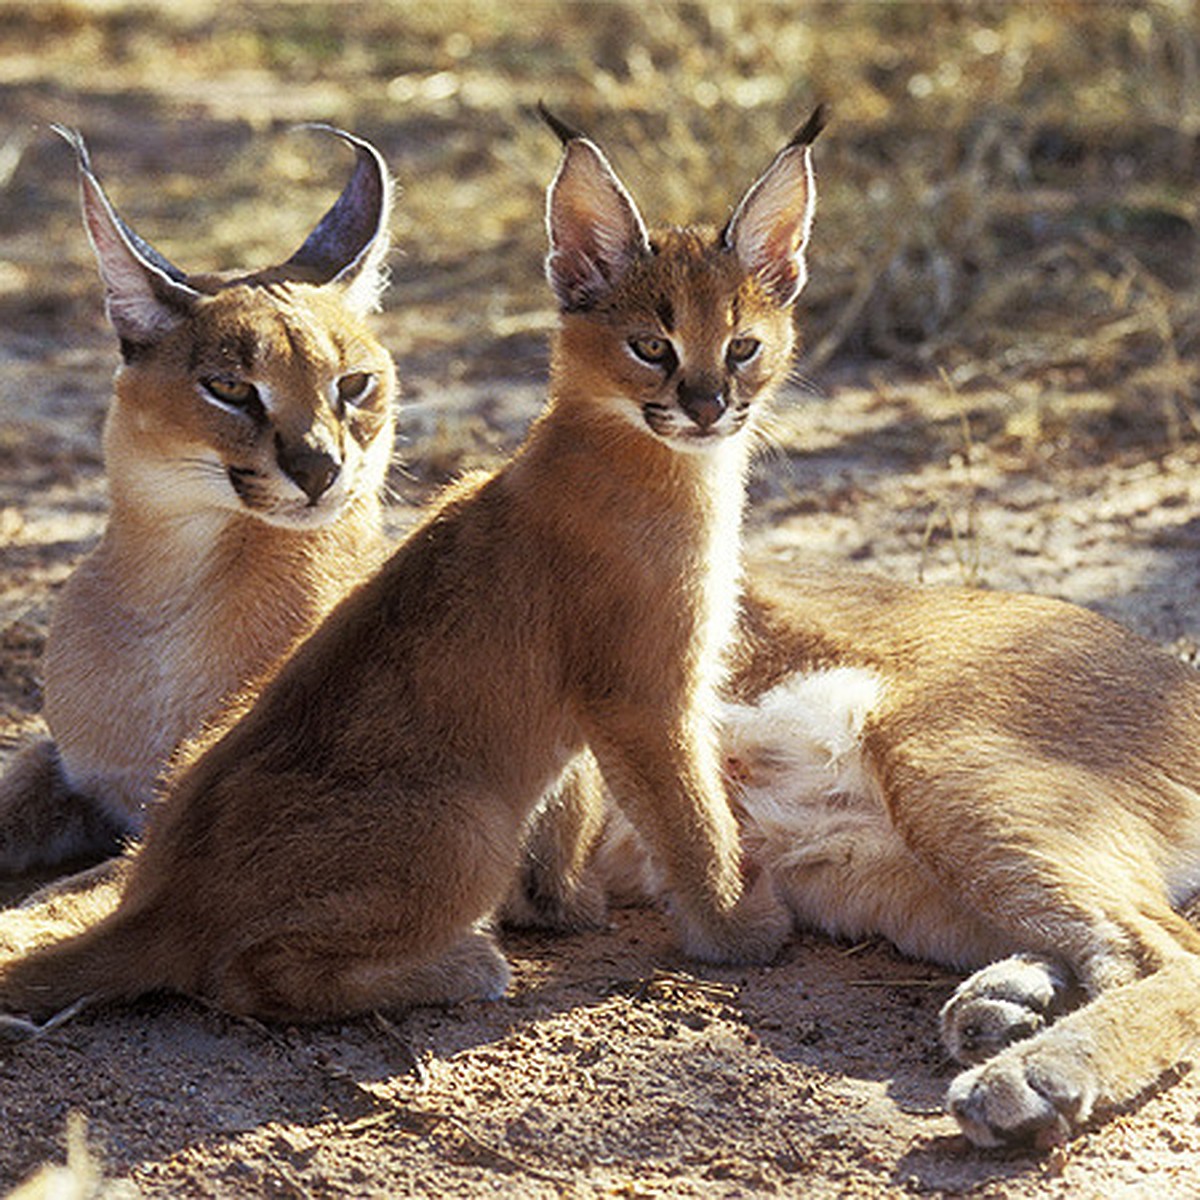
(246,444)
(339,847)
(257,394)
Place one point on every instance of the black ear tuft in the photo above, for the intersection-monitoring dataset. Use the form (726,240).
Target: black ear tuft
(564,132)
(811,129)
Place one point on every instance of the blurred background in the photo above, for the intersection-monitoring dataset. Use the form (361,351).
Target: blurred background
(1000,381)
(1008,191)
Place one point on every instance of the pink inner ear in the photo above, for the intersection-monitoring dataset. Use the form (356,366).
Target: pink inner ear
(780,268)
(784,243)
(576,278)
(123,275)
(590,221)
(770,227)
(595,229)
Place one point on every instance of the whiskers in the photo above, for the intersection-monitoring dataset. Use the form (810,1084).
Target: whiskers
(661,418)
(675,426)
(768,436)
(391,494)
(204,468)
(803,383)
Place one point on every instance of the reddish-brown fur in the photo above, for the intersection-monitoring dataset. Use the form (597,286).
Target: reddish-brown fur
(214,559)
(338,847)
(978,775)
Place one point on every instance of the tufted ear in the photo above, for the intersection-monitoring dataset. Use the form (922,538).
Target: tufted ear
(349,244)
(595,229)
(769,228)
(145,295)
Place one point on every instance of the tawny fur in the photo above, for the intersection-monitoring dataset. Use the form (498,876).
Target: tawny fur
(976,775)
(339,847)
(222,546)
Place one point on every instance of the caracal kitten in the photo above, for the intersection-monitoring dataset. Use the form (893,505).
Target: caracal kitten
(245,447)
(989,780)
(341,847)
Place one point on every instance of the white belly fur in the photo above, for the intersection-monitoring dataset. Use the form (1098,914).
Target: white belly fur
(814,817)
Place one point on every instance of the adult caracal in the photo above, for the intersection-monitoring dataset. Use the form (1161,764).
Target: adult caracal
(991,781)
(340,846)
(246,445)
(983,777)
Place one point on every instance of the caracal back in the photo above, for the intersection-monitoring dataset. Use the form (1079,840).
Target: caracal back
(990,781)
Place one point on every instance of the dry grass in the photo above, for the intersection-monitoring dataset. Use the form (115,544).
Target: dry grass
(1009,215)
(1008,190)
(81,1178)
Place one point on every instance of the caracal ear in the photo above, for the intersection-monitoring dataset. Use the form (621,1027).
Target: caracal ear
(595,229)
(348,247)
(769,229)
(145,295)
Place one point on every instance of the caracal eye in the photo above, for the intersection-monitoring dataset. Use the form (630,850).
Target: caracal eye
(354,387)
(653,350)
(742,349)
(237,393)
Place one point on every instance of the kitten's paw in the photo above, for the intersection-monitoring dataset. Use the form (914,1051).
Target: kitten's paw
(1037,1092)
(474,969)
(754,932)
(1006,1002)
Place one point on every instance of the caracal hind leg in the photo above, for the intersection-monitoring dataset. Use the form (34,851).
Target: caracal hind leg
(1004,1003)
(298,978)
(63,908)
(671,789)
(106,878)
(1042,1088)
(557,886)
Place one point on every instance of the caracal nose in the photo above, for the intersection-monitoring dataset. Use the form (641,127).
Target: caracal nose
(703,402)
(312,469)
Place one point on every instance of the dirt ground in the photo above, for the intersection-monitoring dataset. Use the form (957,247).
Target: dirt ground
(613,1067)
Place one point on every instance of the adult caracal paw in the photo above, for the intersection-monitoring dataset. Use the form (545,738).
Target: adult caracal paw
(245,447)
(329,853)
(1043,1089)
(1006,1002)
(983,777)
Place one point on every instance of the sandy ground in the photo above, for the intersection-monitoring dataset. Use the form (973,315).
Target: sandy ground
(614,1067)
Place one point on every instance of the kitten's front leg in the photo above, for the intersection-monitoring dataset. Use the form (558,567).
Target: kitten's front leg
(668,783)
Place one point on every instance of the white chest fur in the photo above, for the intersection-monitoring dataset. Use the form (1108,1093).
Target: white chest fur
(723,558)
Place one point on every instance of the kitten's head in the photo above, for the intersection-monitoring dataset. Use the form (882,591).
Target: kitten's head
(257,393)
(680,331)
